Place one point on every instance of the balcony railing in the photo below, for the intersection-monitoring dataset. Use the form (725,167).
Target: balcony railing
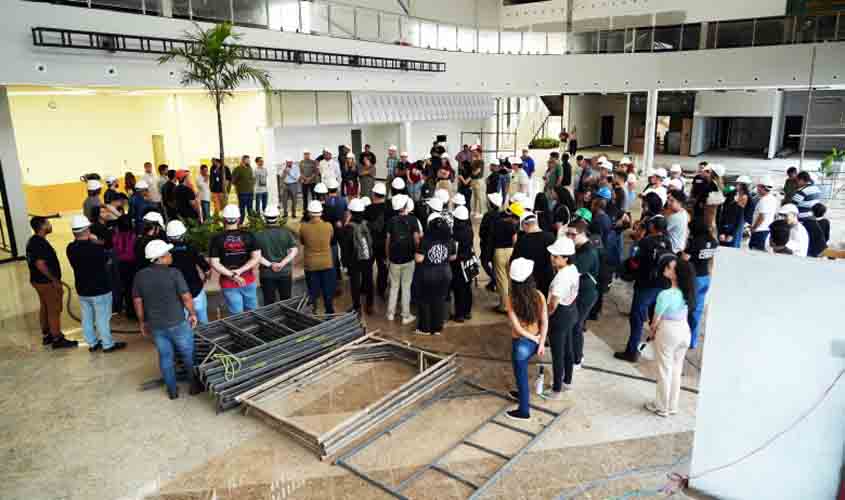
(360,23)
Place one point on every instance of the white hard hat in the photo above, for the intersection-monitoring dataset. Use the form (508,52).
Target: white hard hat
(350,155)
(156,249)
(719,170)
(442,195)
(271,212)
(461,213)
(403,153)
(766,181)
(155,217)
(231,212)
(399,201)
(789,208)
(519,197)
(321,188)
(111,179)
(521,269)
(332,184)
(94,185)
(562,247)
(660,172)
(435,204)
(315,207)
(515,160)
(495,198)
(676,168)
(175,229)
(527,218)
(356,205)
(676,184)
(392,148)
(606,165)
(398,183)
(79,222)
(743,179)
(380,189)
(367,201)
(459,199)
(626,160)
(141,185)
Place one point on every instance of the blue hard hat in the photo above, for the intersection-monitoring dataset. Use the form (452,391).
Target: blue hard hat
(604,192)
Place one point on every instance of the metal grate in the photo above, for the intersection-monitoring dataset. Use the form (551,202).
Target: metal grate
(141,44)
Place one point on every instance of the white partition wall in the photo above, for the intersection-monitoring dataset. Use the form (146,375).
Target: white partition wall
(771,331)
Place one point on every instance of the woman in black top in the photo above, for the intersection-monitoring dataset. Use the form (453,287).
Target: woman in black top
(434,277)
(461,287)
(465,182)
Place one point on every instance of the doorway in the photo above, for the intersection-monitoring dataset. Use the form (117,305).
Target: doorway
(606,131)
(357,144)
(159,154)
(792,128)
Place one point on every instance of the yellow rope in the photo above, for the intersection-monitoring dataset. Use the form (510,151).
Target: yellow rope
(231,364)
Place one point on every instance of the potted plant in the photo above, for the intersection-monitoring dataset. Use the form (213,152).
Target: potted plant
(544,143)
(831,166)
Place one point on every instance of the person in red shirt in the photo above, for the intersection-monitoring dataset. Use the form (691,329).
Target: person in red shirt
(235,255)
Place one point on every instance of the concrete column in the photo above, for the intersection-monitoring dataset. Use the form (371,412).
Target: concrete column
(777,121)
(13,181)
(650,131)
(406,143)
(627,121)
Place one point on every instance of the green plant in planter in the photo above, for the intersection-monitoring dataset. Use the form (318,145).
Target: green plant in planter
(199,235)
(544,143)
(830,161)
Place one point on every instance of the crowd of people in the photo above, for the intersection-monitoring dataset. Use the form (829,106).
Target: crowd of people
(550,255)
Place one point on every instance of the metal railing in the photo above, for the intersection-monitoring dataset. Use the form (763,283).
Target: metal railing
(360,23)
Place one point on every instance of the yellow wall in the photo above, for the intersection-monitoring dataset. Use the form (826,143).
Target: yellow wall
(61,137)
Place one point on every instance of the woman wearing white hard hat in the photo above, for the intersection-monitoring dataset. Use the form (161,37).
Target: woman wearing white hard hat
(316,237)
(529,321)
(434,276)
(152,228)
(161,297)
(465,267)
(563,314)
(93,187)
(194,267)
(356,245)
(111,189)
(278,250)
(349,175)
(235,256)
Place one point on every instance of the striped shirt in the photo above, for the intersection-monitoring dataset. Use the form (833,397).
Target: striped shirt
(805,198)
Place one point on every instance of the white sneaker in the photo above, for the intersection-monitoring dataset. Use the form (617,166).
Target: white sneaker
(652,407)
(576,366)
(408,320)
(389,317)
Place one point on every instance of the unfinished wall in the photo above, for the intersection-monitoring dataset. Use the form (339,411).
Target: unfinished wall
(826,117)
(769,359)
(584,117)
(735,103)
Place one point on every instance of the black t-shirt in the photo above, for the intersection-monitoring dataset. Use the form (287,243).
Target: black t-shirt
(233,248)
(701,189)
(216,176)
(38,248)
(88,260)
(186,259)
(648,249)
(376,215)
(182,197)
(504,227)
(436,253)
(402,229)
(818,243)
(103,233)
(701,251)
(465,171)
(534,247)
(825,225)
(169,200)
(462,233)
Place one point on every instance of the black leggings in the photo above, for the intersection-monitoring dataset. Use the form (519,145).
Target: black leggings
(431,298)
(462,291)
(561,328)
(361,282)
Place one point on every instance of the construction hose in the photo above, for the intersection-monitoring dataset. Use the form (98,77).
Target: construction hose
(79,320)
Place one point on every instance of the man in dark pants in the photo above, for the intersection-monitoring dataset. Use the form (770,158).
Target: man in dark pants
(486,238)
(278,249)
(376,215)
(647,284)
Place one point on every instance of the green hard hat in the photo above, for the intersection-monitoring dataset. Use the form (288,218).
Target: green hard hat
(584,214)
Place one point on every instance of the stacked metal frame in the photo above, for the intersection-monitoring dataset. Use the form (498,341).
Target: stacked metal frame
(433,372)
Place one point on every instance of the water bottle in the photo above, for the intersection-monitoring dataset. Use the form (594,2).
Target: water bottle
(538,385)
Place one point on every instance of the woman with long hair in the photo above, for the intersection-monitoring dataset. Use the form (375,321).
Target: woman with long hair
(434,276)
(529,321)
(129,184)
(670,332)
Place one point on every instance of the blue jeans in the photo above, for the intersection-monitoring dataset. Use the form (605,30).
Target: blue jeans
(177,338)
(260,202)
(737,242)
(245,204)
(200,308)
(206,209)
(643,299)
(702,286)
(615,248)
(241,299)
(415,190)
(322,282)
(758,240)
(96,314)
(522,349)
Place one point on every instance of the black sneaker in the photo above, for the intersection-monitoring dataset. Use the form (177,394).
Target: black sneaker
(46,339)
(116,347)
(63,343)
(468,317)
(627,356)
(96,347)
(515,415)
(173,394)
(514,395)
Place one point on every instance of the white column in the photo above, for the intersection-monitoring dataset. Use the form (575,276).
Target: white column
(627,121)
(406,142)
(650,131)
(272,162)
(13,180)
(777,121)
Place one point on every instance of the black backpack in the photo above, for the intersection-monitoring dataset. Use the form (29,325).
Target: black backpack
(402,237)
(662,252)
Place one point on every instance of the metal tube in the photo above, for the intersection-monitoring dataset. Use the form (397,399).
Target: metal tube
(809,110)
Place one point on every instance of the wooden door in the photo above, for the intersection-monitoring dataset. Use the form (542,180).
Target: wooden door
(686,136)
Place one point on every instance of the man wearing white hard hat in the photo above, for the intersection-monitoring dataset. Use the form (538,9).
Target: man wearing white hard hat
(764,214)
(485,237)
(111,189)
(308,177)
(152,228)
(329,168)
(356,243)
(520,182)
(139,204)
(334,212)
(402,237)
(90,263)
(655,184)
(316,236)
(377,216)
(193,266)
(91,205)
(676,171)
(398,186)
(161,295)
(799,239)
(320,192)
(563,315)
(151,179)
(533,244)
(288,185)
(278,250)
(235,256)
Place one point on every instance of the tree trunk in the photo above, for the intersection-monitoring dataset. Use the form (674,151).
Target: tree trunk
(219,128)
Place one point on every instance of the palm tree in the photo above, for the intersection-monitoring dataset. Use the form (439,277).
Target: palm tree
(215,62)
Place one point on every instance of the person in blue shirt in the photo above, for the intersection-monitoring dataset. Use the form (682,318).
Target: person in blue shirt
(139,205)
(334,212)
(527,163)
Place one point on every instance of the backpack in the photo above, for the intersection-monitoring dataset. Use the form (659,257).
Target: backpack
(662,253)
(362,241)
(402,238)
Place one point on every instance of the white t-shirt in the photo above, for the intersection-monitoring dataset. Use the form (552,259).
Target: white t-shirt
(768,207)
(677,229)
(329,169)
(203,188)
(565,285)
(520,181)
(152,182)
(660,191)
